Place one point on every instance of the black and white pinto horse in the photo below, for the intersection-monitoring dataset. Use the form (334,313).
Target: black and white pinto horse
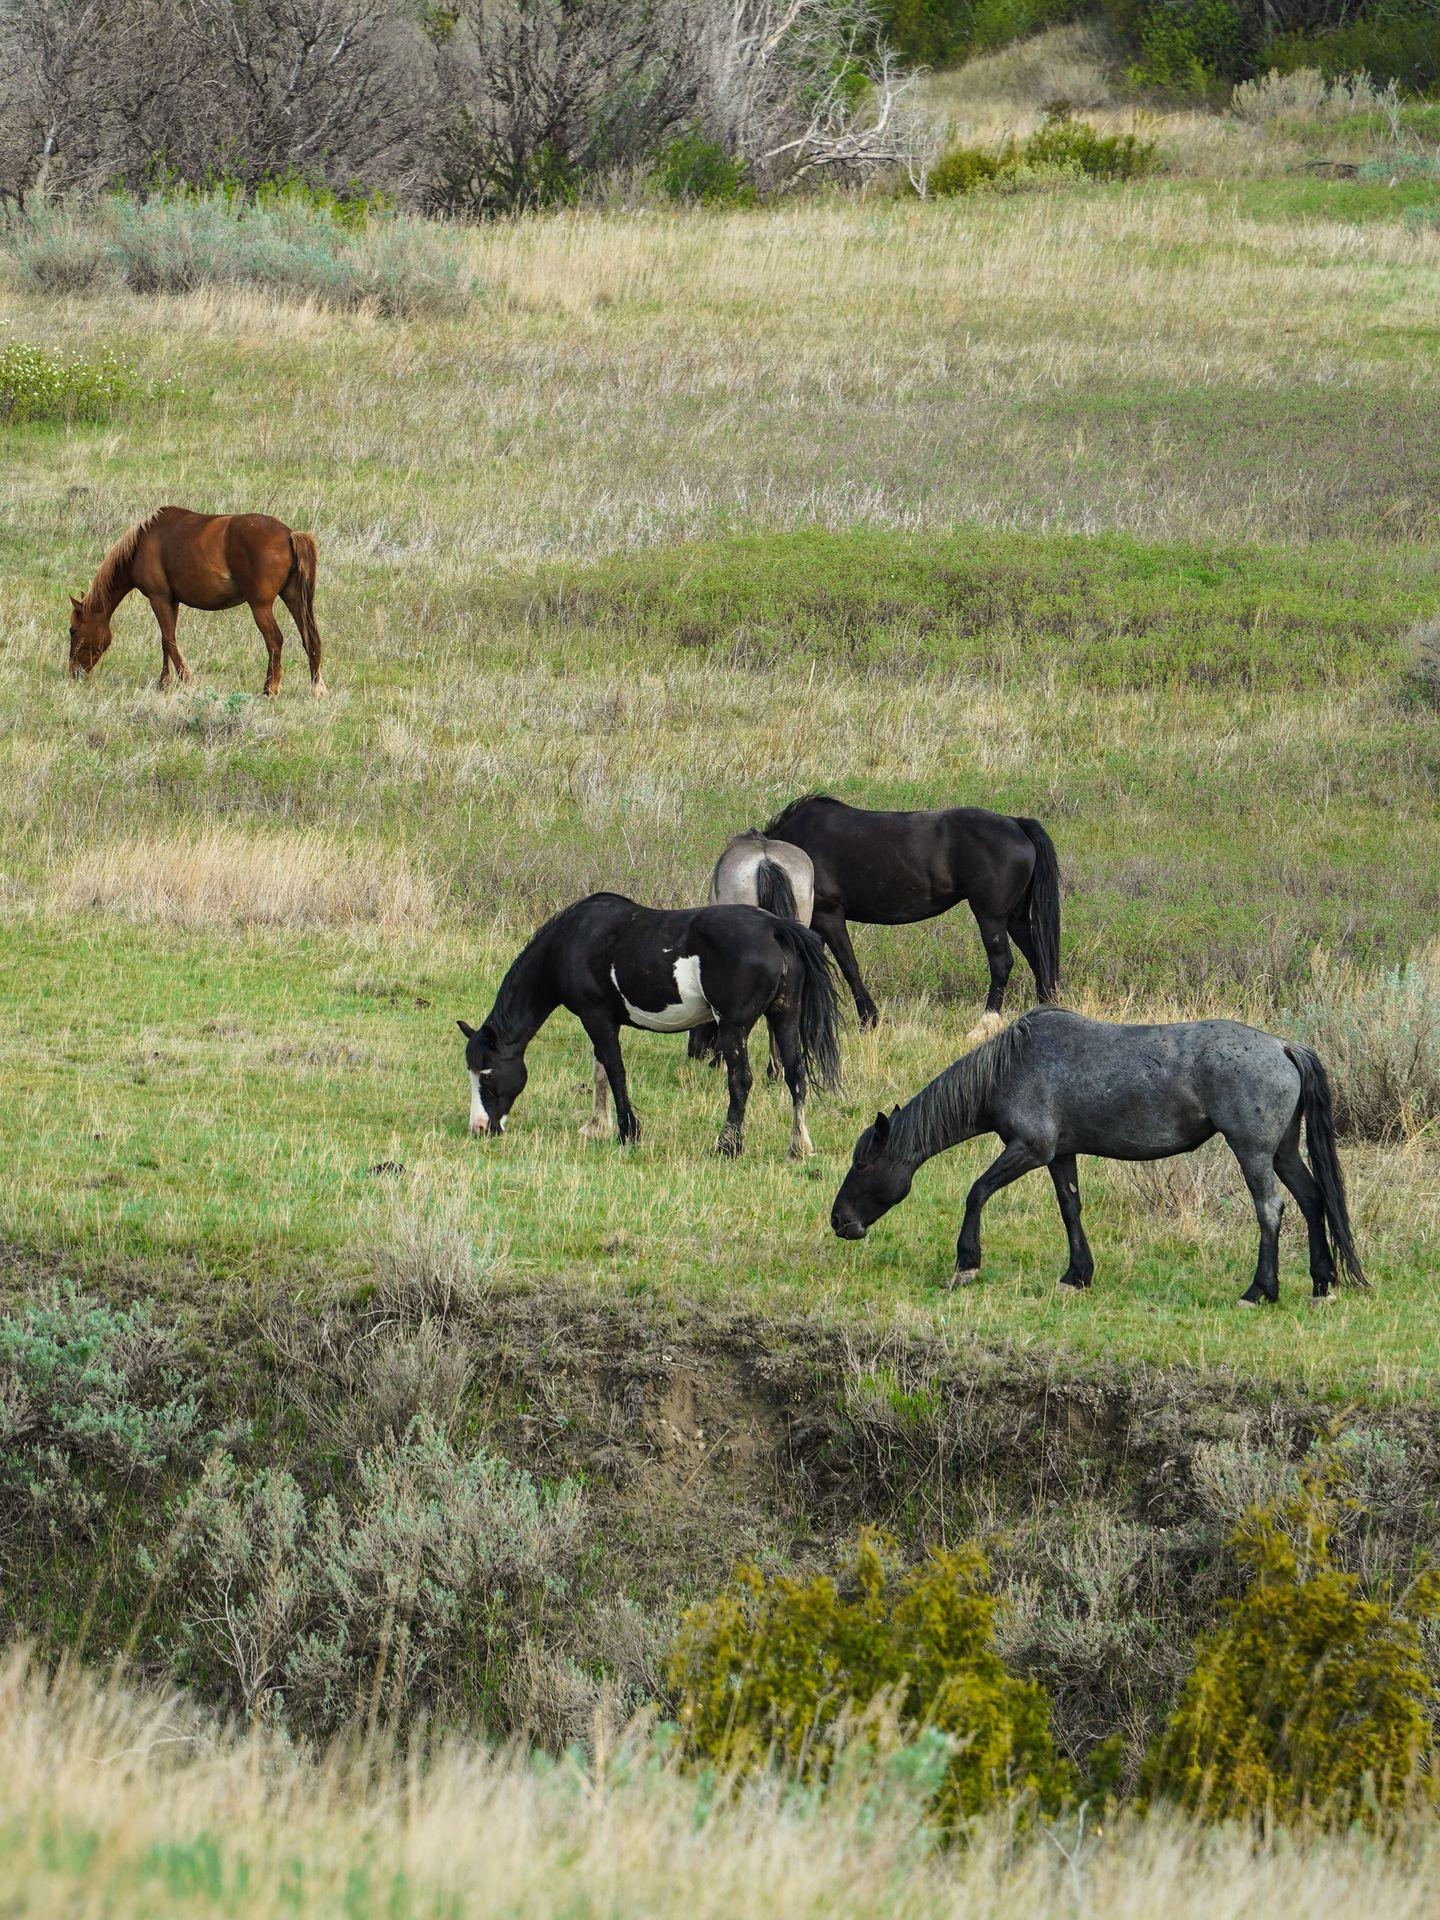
(891,868)
(756,872)
(614,964)
(1055,1085)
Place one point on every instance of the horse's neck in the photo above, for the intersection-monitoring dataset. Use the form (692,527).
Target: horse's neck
(936,1135)
(109,593)
(529,997)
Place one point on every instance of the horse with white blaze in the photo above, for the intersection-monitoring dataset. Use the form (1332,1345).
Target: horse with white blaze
(1055,1085)
(613,964)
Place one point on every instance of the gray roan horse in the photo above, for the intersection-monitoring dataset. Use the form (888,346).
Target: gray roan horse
(1055,1085)
(756,872)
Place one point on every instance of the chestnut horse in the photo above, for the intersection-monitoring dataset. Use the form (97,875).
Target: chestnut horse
(208,560)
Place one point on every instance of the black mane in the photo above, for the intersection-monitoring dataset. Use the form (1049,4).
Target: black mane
(949,1108)
(772,828)
(511,1011)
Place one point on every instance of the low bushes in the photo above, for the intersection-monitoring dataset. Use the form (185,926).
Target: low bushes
(1311,1699)
(780,1669)
(284,244)
(1378,1031)
(36,385)
(1061,148)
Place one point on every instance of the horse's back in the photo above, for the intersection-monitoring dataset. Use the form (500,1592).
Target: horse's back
(214,560)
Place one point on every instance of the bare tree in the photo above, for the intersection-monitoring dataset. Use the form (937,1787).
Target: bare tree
(339,90)
(797,87)
(542,93)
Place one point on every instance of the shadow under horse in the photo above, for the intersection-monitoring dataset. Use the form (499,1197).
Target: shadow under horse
(888,869)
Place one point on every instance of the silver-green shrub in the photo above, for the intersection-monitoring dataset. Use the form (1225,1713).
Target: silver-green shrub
(1378,1031)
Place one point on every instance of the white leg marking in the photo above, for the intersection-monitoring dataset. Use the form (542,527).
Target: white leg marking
(597,1127)
(479,1119)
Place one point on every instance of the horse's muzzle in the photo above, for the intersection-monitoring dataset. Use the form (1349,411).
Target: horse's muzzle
(847,1226)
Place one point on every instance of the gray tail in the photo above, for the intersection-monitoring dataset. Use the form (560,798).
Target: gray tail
(1042,909)
(773,890)
(819,1004)
(1319,1115)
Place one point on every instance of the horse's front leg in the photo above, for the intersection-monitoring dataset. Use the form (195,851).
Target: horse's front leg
(597,1127)
(1066,1176)
(735,1052)
(605,1039)
(1017,1158)
(785,1046)
(167,617)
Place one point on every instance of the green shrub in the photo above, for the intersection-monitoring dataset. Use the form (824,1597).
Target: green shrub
(944,31)
(1060,147)
(1388,47)
(1310,1699)
(89,1397)
(778,1670)
(692,168)
(37,385)
(389,1596)
(1188,47)
(178,243)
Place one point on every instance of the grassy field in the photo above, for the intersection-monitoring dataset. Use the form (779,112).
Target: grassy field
(1115,506)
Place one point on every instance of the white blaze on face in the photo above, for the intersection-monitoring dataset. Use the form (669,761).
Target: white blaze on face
(693,1011)
(479,1119)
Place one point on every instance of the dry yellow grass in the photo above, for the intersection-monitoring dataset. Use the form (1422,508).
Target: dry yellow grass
(220,878)
(120,1803)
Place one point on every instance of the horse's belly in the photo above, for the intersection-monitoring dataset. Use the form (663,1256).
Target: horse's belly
(690,1008)
(1138,1139)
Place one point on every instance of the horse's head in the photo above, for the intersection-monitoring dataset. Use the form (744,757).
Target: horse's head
(89,637)
(497,1078)
(877,1181)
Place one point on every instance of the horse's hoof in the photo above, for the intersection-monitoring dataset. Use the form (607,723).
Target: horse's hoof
(984,1029)
(1322,1299)
(963,1276)
(728,1146)
(319,689)
(591,1132)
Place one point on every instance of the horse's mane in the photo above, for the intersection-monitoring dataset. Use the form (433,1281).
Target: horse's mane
(772,828)
(511,1002)
(949,1108)
(119,556)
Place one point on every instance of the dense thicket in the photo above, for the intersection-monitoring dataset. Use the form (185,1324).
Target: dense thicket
(472,106)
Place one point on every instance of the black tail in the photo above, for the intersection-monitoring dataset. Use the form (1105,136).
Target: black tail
(773,890)
(1320,1138)
(819,1004)
(1042,909)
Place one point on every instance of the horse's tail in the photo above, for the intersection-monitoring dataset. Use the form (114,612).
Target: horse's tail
(303,558)
(1320,1138)
(819,1003)
(773,890)
(1041,907)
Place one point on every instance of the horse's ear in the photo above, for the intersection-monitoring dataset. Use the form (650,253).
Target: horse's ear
(489,1035)
(76,604)
(466,1028)
(882,1127)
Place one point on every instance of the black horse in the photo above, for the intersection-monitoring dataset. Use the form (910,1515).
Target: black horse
(1055,1085)
(891,868)
(615,964)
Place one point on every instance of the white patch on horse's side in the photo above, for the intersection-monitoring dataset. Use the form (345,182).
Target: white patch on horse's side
(479,1119)
(693,1011)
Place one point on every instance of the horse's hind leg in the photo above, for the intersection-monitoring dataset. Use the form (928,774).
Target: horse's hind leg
(1066,1176)
(597,1127)
(293,594)
(1258,1166)
(832,930)
(997,952)
(701,1043)
(1017,1159)
(785,1046)
(1306,1189)
(264,617)
(735,1052)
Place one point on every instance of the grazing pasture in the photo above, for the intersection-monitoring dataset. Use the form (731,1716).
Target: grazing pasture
(1114,508)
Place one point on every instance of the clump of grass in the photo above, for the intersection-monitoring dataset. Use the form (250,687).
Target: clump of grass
(430,1263)
(285,246)
(223,878)
(1306,94)
(37,385)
